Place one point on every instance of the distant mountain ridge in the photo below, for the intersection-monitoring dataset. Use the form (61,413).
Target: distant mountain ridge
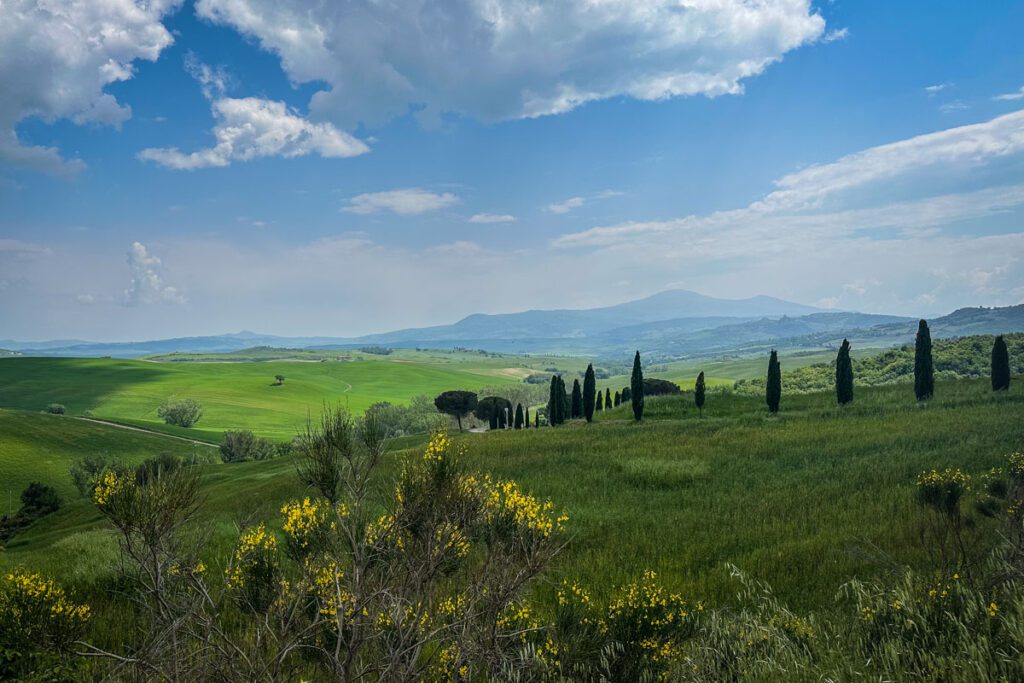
(671,324)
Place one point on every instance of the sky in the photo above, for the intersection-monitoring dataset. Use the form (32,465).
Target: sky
(296,167)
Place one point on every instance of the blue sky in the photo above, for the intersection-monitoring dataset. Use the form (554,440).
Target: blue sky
(343,168)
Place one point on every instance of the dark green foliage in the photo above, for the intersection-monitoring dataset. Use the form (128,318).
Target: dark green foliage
(699,393)
(243,445)
(183,413)
(37,500)
(558,402)
(773,384)
(458,404)
(278,380)
(536,420)
(519,416)
(924,369)
(526,421)
(660,387)
(618,399)
(608,399)
(844,375)
(56,409)
(576,404)
(494,410)
(40,499)
(153,468)
(600,402)
(627,395)
(589,391)
(636,389)
(1000,365)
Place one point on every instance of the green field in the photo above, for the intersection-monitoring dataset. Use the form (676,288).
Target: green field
(234,395)
(805,500)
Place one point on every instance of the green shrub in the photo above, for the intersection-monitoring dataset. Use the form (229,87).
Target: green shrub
(242,445)
(183,413)
(56,409)
(85,472)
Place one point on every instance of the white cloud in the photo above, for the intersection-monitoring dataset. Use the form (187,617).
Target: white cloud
(492,218)
(955,105)
(214,80)
(56,58)
(404,202)
(566,206)
(147,284)
(249,128)
(576,202)
(838,34)
(1011,96)
(505,59)
(937,88)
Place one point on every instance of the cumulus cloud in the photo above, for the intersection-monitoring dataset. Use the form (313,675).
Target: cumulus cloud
(492,218)
(249,128)
(404,202)
(56,58)
(514,59)
(1010,96)
(147,284)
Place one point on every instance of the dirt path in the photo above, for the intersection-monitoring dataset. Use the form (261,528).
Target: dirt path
(145,431)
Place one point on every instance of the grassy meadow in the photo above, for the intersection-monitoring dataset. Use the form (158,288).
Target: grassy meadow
(234,394)
(805,500)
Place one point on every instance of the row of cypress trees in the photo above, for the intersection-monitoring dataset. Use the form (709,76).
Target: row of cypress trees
(924,370)
(584,400)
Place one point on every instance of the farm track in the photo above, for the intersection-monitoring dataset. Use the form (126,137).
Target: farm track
(133,428)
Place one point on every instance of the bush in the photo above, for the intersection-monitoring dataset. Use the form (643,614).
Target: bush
(153,468)
(660,387)
(86,472)
(56,409)
(183,413)
(243,445)
(37,500)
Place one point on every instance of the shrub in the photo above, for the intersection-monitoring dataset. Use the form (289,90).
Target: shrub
(55,409)
(37,500)
(152,468)
(660,387)
(40,499)
(183,413)
(243,445)
(39,622)
(85,472)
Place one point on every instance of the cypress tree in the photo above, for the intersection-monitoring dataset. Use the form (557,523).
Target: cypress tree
(924,369)
(536,420)
(566,403)
(1000,365)
(526,422)
(600,401)
(844,375)
(519,416)
(607,398)
(553,401)
(773,388)
(636,389)
(589,389)
(576,409)
(618,399)
(626,394)
(698,393)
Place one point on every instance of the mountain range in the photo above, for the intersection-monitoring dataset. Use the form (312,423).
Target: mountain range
(671,324)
